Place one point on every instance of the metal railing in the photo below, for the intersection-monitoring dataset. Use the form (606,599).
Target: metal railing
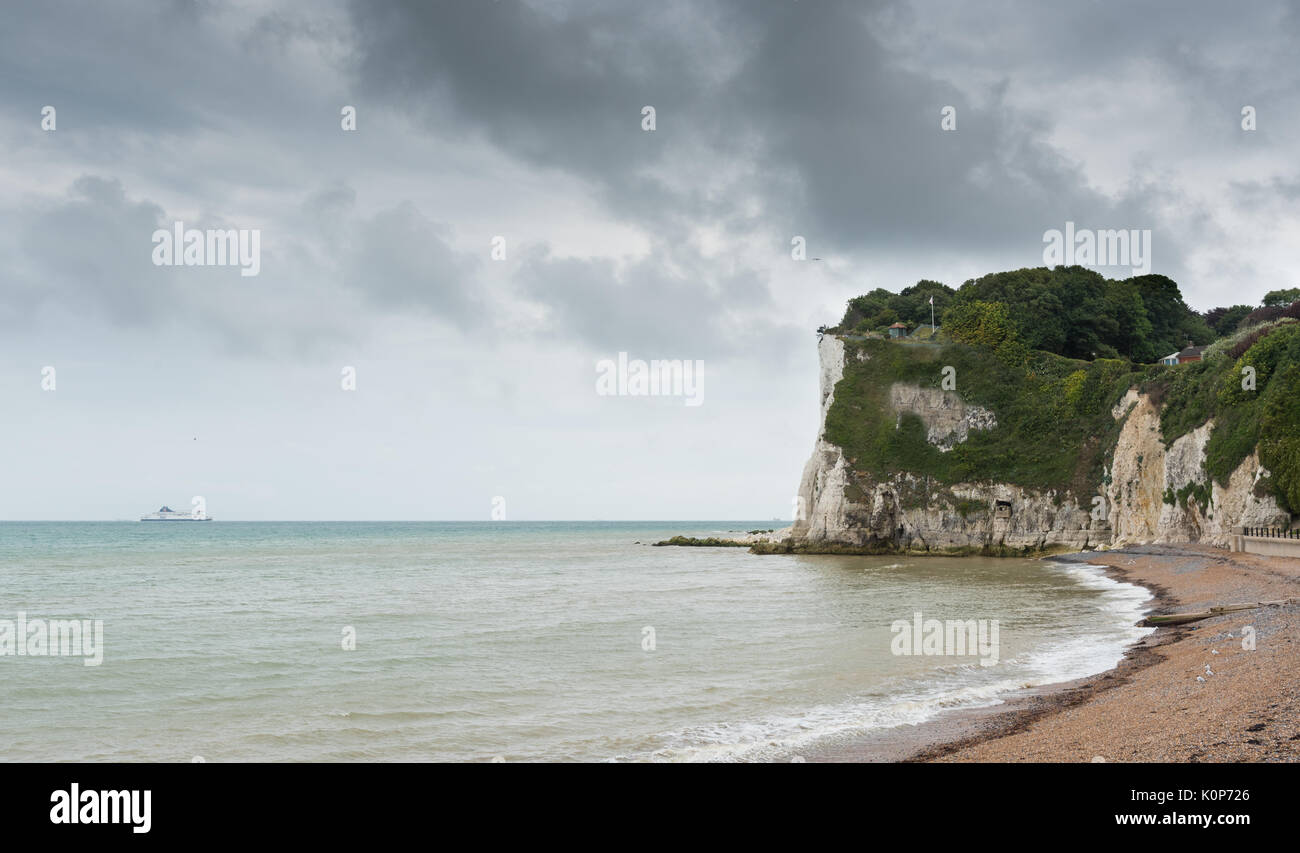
(1272,532)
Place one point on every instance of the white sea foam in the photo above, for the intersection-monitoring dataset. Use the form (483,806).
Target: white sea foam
(1120,606)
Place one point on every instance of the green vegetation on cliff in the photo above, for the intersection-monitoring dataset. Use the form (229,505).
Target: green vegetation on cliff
(879,309)
(1053,430)
(1255,401)
(1009,339)
(1070,311)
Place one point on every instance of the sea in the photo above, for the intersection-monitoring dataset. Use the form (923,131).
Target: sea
(509,641)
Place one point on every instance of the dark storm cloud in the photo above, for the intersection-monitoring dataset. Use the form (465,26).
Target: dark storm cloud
(559,90)
(844,146)
(775,118)
(118,66)
(823,118)
(876,167)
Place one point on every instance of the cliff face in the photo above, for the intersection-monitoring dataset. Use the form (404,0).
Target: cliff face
(947,418)
(821,512)
(1145,475)
(1150,494)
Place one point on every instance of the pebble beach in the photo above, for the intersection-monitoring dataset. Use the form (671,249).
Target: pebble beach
(1224,689)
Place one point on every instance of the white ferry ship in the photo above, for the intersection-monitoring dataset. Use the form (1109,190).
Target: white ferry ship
(168,514)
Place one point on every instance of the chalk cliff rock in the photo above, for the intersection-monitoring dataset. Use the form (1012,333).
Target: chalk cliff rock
(839,508)
(1145,475)
(820,511)
(948,419)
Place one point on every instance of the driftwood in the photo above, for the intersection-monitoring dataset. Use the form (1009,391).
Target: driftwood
(1180,618)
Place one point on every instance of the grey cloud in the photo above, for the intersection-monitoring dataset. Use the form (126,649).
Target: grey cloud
(397,259)
(1266,192)
(105,66)
(775,118)
(841,144)
(404,260)
(89,254)
(669,304)
(91,251)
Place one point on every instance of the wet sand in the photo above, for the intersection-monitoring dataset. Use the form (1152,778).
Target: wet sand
(1151,707)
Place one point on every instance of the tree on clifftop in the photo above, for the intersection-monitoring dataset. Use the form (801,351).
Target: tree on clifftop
(987,325)
(880,308)
(1173,324)
(1076,312)
(1071,311)
(1224,321)
(1282,298)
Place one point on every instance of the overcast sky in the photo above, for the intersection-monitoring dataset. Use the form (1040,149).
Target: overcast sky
(476,376)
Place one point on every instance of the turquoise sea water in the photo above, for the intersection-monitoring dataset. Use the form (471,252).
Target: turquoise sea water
(514,641)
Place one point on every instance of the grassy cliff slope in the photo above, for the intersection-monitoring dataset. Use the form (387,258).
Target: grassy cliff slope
(1055,430)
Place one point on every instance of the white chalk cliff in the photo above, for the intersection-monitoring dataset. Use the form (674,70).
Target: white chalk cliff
(1145,472)
(839,508)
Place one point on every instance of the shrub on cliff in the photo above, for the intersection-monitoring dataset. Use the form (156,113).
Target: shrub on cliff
(1236,434)
(987,325)
(1246,341)
(1188,396)
(1262,352)
(1279,446)
(1262,315)
(1074,387)
(1260,407)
